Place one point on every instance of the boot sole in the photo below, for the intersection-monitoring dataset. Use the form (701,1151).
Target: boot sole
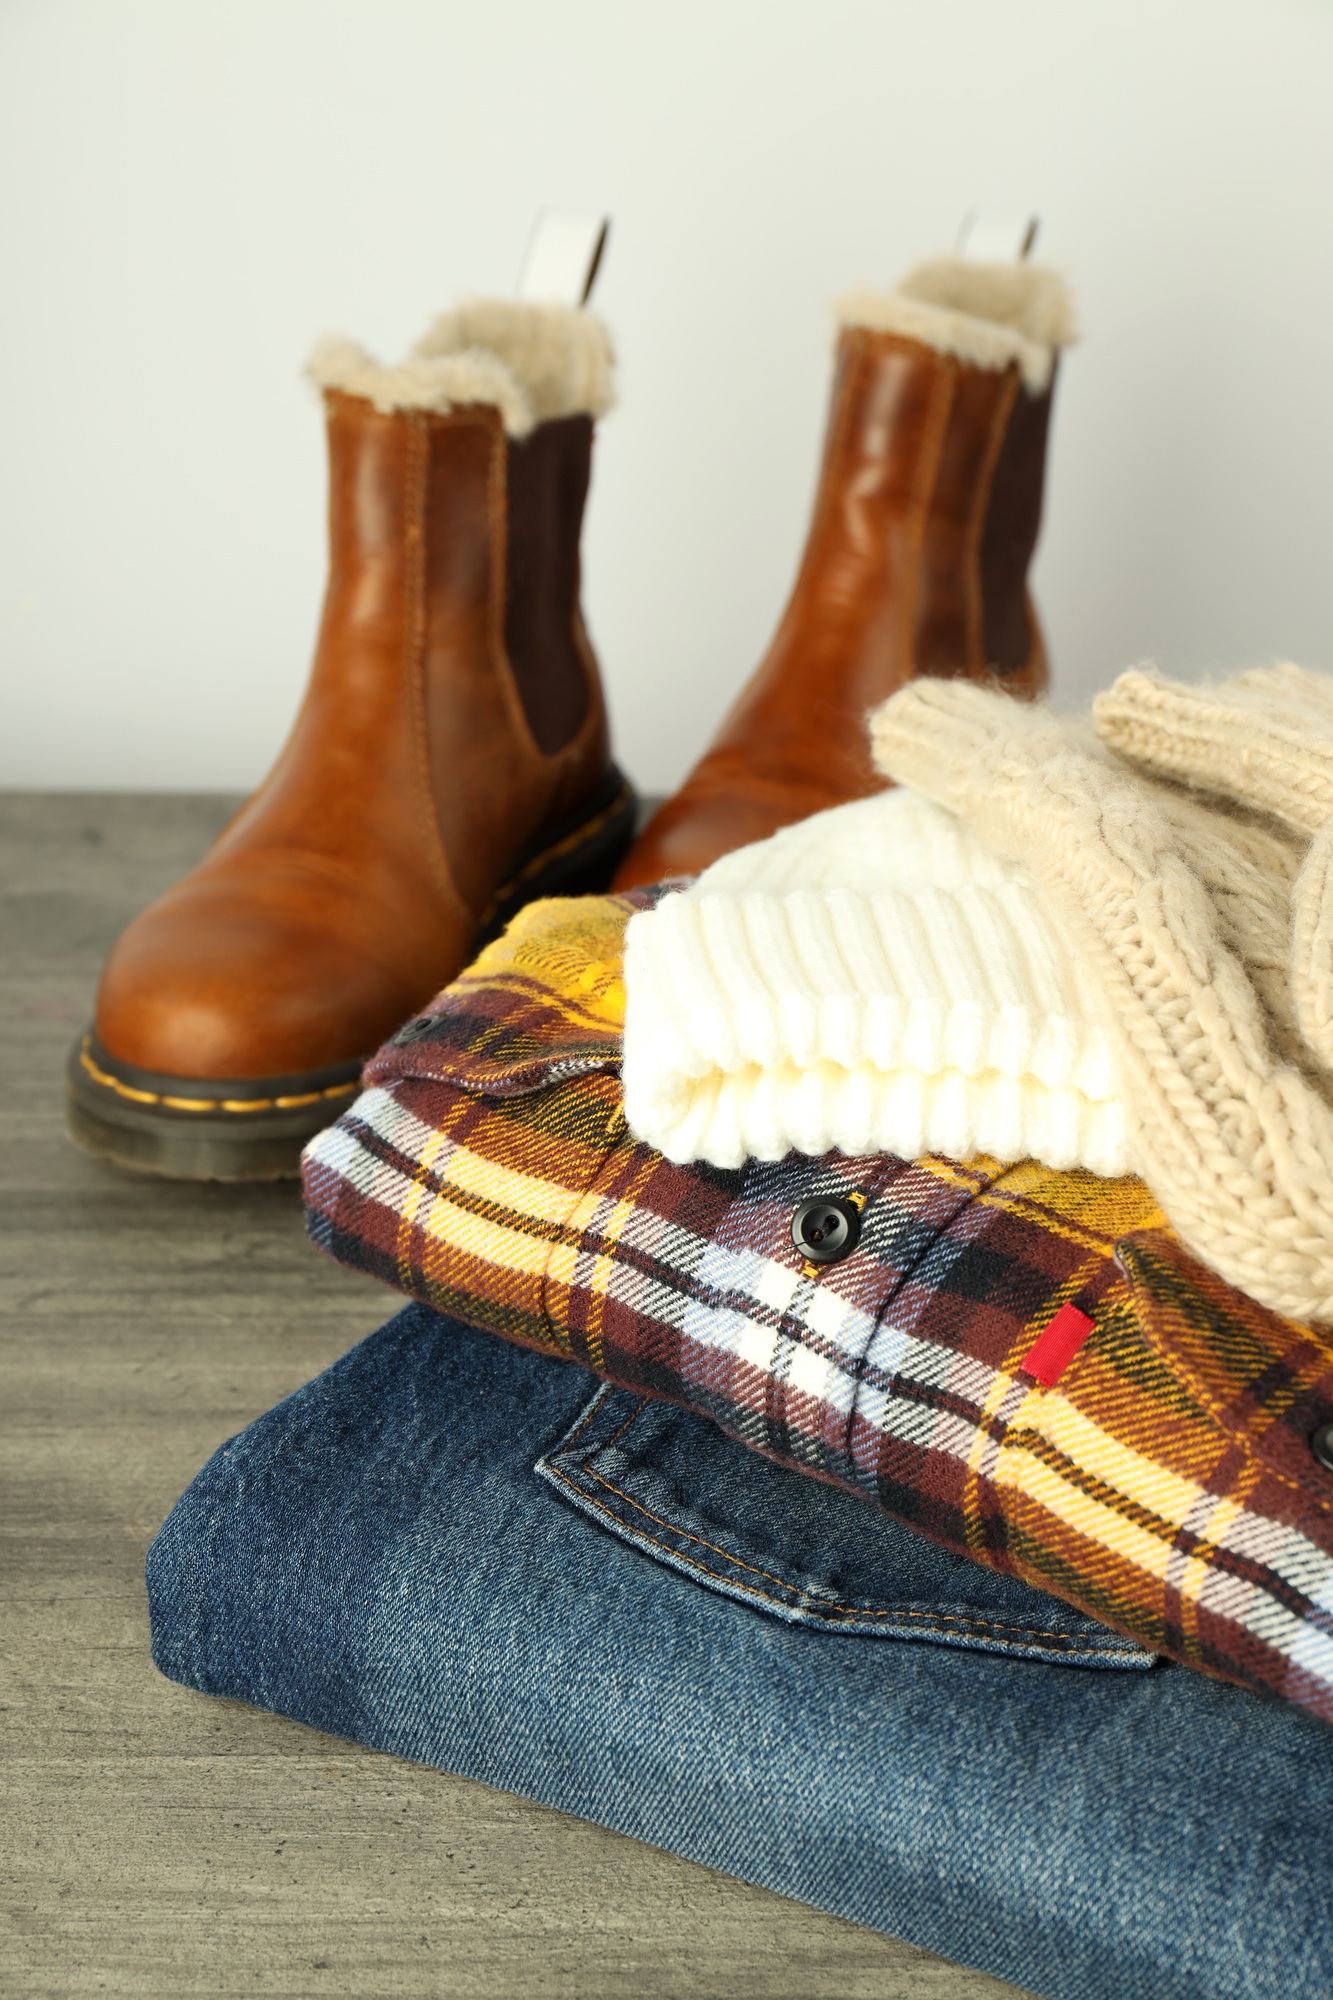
(189,1129)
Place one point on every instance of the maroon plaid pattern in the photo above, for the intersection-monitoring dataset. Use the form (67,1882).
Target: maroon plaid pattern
(1164,1482)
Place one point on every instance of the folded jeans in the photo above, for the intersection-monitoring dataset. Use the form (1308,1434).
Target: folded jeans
(748,1667)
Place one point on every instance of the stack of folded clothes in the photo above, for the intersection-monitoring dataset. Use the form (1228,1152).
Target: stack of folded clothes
(966,1151)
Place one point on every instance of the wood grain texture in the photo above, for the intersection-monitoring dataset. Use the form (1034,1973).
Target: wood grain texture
(156,1842)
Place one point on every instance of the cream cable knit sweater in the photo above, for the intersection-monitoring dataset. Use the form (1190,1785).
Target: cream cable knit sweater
(1264,739)
(871,980)
(1234,1138)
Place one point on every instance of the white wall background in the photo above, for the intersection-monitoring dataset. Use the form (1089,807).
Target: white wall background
(190,192)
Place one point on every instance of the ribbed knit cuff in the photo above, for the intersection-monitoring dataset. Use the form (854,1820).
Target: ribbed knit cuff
(859,1014)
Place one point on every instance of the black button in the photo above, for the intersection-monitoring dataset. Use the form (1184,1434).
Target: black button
(416,1029)
(826,1230)
(1321,1444)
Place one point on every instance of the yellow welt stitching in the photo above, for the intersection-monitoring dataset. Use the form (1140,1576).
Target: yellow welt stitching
(553,853)
(206,1104)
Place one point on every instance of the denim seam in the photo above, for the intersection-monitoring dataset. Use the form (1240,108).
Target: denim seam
(1038,1635)
(586,1415)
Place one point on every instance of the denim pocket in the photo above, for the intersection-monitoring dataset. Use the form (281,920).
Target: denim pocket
(673,1485)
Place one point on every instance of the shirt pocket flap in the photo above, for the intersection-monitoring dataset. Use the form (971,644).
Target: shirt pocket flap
(544,1003)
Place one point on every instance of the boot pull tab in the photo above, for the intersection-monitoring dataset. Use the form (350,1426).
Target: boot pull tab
(996,236)
(562,259)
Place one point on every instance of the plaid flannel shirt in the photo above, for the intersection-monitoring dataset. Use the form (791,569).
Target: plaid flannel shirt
(1024,1365)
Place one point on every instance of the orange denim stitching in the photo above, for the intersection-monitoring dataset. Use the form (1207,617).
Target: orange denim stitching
(1067,1640)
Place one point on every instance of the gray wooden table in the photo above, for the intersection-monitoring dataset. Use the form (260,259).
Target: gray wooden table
(156,1842)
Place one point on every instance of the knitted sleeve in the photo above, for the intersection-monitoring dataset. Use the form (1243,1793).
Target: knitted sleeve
(1235,1140)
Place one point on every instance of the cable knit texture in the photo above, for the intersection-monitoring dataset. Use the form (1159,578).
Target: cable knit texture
(1234,1138)
(1264,739)
(870,980)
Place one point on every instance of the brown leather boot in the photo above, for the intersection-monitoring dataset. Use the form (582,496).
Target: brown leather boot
(925,521)
(449,762)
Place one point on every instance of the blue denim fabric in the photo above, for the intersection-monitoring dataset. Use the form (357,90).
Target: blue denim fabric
(724,1658)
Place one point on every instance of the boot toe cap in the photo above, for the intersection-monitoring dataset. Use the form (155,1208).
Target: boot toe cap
(213,986)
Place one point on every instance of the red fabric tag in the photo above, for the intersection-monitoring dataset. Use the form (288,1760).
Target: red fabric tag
(1056,1345)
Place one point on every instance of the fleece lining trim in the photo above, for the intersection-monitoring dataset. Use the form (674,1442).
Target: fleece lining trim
(991,316)
(531,362)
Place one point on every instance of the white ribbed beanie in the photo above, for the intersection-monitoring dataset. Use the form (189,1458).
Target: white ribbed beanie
(871,980)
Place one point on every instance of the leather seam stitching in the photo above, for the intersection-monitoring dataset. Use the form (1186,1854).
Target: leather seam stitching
(415,570)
